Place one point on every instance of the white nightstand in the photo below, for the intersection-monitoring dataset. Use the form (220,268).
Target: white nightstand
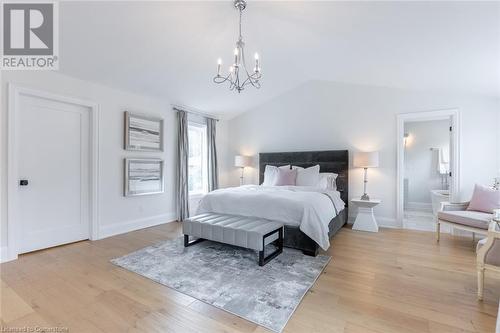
(365,220)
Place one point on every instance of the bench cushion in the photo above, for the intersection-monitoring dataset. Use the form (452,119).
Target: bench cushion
(466,217)
(231,229)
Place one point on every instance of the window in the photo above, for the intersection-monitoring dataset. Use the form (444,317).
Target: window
(198,159)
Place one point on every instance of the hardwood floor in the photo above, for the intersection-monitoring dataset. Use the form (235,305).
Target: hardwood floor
(392,281)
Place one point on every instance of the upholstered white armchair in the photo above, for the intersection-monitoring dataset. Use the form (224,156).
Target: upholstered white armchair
(457,216)
(488,255)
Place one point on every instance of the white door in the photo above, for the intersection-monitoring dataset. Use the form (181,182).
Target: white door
(454,195)
(53,157)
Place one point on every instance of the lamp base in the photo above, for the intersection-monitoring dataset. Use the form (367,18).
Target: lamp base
(365,197)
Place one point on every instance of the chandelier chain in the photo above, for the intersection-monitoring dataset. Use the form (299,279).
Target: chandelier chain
(241,13)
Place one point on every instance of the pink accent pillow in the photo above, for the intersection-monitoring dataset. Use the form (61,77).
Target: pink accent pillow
(484,199)
(285,177)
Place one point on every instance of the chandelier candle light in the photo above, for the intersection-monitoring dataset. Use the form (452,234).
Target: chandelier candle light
(238,76)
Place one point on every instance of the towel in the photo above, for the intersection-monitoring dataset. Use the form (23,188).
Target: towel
(445,155)
(443,167)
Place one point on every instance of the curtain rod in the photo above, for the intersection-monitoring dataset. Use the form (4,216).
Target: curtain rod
(192,111)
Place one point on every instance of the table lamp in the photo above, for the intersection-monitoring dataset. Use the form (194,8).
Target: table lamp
(365,160)
(241,161)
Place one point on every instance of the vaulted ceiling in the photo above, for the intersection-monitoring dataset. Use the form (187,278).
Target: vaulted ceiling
(170,49)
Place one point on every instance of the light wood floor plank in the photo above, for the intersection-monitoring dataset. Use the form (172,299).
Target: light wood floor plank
(12,306)
(391,281)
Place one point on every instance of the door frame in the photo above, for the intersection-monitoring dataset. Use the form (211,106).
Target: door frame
(454,115)
(15,91)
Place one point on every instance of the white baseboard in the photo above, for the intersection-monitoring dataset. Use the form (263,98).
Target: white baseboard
(423,206)
(128,226)
(387,222)
(384,222)
(5,254)
(445,229)
(112,230)
(426,227)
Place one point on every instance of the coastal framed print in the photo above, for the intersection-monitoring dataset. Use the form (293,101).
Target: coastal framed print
(143,176)
(143,132)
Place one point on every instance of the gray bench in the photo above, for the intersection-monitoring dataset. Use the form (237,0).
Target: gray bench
(248,232)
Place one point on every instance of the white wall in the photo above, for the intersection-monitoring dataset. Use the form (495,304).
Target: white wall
(116,213)
(325,115)
(421,162)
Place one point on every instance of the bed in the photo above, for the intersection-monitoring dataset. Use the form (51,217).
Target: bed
(306,212)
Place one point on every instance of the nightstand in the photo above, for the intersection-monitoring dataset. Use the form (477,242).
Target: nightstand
(365,220)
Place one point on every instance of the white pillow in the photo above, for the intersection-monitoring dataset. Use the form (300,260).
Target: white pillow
(308,176)
(328,181)
(270,174)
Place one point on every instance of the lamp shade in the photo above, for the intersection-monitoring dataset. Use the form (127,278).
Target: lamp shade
(365,159)
(242,161)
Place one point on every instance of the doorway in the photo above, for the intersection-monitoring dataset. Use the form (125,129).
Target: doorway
(428,166)
(52,170)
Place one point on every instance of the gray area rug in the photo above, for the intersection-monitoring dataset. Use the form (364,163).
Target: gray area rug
(230,278)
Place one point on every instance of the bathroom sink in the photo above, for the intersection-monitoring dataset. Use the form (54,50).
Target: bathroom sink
(437,197)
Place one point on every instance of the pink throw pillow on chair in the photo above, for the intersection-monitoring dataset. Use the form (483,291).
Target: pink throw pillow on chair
(484,199)
(286,177)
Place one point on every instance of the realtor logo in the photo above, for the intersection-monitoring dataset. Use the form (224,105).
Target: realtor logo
(30,35)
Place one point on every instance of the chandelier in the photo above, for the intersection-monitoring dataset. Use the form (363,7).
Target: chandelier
(238,76)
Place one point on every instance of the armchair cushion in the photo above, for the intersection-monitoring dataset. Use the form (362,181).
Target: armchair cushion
(492,253)
(492,257)
(466,217)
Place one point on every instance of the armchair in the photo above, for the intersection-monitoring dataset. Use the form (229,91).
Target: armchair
(457,216)
(488,256)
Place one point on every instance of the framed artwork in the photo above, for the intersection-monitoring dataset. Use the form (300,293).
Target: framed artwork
(143,176)
(143,132)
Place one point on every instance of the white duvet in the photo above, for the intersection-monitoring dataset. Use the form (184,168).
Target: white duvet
(310,208)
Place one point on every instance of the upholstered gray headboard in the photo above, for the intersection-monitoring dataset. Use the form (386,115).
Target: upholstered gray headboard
(336,161)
